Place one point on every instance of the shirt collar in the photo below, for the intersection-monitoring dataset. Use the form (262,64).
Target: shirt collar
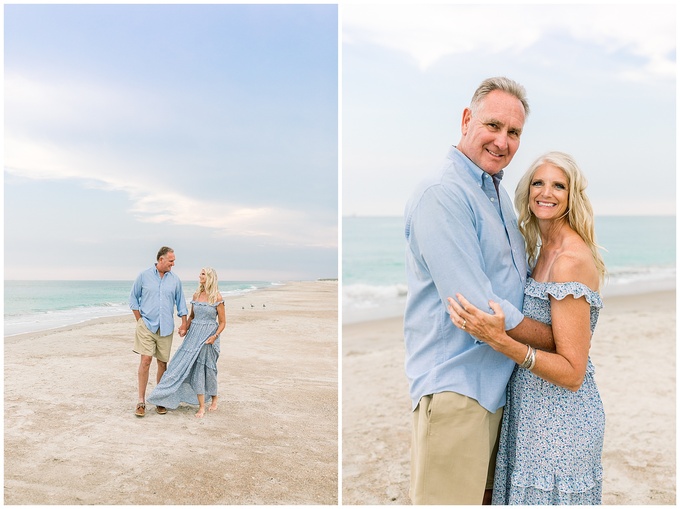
(475,170)
(155,269)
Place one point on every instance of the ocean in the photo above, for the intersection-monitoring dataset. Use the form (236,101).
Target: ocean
(31,306)
(639,255)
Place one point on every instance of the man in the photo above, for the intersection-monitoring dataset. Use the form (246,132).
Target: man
(462,236)
(154,295)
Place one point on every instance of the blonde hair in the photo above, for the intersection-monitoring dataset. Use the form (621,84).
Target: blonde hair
(579,211)
(210,287)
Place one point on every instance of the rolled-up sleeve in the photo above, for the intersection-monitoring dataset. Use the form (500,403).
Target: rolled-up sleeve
(136,294)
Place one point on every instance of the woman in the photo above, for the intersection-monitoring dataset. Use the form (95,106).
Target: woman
(553,425)
(192,371)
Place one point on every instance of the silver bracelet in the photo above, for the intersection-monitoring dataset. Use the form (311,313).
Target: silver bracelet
(527,359)
(532,363)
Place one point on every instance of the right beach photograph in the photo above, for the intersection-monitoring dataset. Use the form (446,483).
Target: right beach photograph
(508,255)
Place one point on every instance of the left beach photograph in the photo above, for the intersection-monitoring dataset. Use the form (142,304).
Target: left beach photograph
(171,254)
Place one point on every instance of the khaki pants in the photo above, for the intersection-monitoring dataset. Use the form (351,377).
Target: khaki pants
(151,343)
(453,450)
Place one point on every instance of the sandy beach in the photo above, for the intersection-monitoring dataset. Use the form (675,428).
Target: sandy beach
(71,436)
(634,356)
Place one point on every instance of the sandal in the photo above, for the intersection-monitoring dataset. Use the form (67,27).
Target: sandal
(161,410)
(140,410)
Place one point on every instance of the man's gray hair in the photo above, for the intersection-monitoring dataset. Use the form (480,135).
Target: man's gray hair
(163,251)
(503,84)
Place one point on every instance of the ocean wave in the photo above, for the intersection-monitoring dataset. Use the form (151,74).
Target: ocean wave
(632,280)
(52,319)
(24,319)
(363,296)
(362,302)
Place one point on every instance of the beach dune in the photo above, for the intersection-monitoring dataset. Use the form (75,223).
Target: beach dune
(633,351)
(71,436)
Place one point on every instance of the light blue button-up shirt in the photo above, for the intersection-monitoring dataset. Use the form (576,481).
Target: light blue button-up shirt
(460,239)
(155,298)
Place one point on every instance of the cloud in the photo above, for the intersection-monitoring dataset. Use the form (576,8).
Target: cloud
(74,104)
(65,129)
(275,224)
(429,32)
(155,203)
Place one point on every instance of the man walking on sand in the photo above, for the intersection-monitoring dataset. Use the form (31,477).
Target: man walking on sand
(462,237)
(155,294)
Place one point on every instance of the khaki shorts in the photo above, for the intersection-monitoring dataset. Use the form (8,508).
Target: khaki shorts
(151,343)
(453,450)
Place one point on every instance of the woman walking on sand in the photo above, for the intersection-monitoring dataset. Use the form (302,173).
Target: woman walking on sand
(552,432)
(192,371)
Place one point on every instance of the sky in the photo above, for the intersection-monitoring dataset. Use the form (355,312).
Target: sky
(212,129)
(600,81)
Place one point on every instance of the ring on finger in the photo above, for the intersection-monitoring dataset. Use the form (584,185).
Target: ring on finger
(464,323)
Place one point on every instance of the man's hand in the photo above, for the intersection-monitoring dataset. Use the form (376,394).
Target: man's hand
(183,327)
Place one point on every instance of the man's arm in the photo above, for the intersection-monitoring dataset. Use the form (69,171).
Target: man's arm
(182,331)
(534,333)
(182,311)
(448,243)
(135,297)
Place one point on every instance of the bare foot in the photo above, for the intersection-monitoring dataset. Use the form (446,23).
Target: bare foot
(200,413)
(213,404)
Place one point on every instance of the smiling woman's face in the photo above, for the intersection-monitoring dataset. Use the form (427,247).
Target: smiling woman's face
(549,192)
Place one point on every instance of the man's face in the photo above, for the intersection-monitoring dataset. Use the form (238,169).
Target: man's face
(491,134)
(166,262)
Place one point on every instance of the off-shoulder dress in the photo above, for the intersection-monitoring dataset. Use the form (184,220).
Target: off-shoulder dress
(551,438)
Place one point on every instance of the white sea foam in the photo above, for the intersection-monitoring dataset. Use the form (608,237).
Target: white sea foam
(58,307)
(39,321)
(365,302)
(362,302)
(628,281)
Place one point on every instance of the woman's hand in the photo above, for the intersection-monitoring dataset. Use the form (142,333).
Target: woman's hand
(211,339)
(483,326)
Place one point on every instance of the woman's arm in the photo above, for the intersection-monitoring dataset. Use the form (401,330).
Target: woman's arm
(534,333)
(571,330)
(221,322)
(191,317)
(486,326)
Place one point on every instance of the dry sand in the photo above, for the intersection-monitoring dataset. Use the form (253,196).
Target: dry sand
(634,356)
(71,436)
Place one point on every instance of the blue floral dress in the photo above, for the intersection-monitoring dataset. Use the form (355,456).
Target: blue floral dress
(193,368)
(551,438)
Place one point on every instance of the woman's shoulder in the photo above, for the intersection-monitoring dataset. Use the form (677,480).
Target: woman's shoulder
(575,264)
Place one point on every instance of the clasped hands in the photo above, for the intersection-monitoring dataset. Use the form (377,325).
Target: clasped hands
(483,326)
